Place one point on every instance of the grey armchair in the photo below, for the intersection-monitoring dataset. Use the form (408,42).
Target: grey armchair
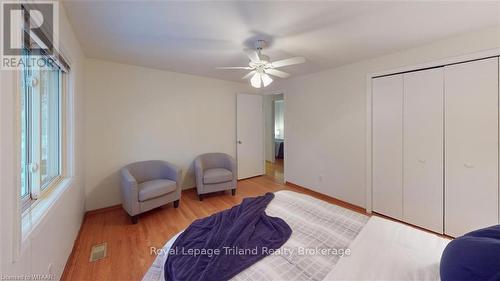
(149,184)
(215,172)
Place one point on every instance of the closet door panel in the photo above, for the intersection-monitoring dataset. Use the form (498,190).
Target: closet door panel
(423,149)
(387,126)
(471,146)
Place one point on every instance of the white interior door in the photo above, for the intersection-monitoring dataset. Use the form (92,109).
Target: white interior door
(250,136)
(471,146)
(387,150)
(423,149)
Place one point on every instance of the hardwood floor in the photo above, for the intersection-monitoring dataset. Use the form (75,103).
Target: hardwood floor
(276,170)
(129,255)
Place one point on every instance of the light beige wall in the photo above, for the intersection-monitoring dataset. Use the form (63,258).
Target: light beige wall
(325,116)
(51,241)
(134,113)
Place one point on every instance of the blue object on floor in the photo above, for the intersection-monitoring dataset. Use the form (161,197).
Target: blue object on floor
(473,257)
(245,227)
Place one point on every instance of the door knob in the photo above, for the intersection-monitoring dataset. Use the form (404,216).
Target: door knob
(240,142)
(469,165)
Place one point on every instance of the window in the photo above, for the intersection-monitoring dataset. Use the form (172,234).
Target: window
(41,127)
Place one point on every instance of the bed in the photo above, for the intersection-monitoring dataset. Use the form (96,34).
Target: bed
(329,242)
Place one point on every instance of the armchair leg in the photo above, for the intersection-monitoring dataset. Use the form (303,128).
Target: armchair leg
(200,197)
(134,219)
(176,204)
(233,191)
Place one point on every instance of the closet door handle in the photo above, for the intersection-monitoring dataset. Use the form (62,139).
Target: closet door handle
(469,165)
(421,161)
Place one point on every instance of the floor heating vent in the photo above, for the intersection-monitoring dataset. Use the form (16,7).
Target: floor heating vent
(98,252)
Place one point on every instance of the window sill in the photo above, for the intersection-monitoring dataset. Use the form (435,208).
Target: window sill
(34,215)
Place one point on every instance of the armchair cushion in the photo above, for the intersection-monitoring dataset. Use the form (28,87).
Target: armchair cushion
(217,175)
(155,188)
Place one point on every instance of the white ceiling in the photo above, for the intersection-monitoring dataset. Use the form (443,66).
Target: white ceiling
(195,37)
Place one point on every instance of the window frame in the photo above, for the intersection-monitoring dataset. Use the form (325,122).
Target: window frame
(26,221)
(35,189)
(25,199)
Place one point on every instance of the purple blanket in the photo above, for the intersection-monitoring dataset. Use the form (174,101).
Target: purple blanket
(220,246)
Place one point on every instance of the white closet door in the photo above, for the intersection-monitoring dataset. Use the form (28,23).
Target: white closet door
(471,146)
(423,149)
(387,126)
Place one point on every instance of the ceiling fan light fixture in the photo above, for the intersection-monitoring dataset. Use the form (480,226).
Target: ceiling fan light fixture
(255,81)
(266,79)
(262,67)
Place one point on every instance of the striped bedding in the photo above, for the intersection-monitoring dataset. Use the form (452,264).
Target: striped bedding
(321,234)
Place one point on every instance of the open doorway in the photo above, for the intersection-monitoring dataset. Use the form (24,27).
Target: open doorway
(274,110)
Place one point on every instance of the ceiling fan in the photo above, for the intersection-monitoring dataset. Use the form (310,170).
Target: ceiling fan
(261,67)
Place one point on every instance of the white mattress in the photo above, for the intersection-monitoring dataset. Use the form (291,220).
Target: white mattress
(387,250)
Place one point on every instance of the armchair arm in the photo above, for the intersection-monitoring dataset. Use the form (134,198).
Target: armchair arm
(130,192)
(233,166)
(198,172)
(171,172)
(128,181)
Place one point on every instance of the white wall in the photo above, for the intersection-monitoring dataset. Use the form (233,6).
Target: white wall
(52,240)
(134,113)
(325,116)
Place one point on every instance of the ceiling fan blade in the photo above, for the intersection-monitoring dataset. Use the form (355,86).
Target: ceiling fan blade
(266,79)
(290,61)
(277,73)
(252,55)
(233,67)
(255,81)
(249,74)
